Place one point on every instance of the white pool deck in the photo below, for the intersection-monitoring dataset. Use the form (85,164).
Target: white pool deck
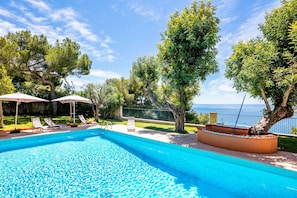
(281,159)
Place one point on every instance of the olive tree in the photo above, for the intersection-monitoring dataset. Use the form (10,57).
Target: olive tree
(186,56)
(105,97)
(266,66)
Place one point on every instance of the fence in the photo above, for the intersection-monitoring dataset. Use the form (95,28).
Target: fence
(152,114)
(282,127)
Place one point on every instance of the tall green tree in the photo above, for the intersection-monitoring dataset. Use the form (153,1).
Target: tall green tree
(266,67)
(30,56)
(97,93)
(186,55)
(106,97)
(6,87)
(122,87)
(144,79)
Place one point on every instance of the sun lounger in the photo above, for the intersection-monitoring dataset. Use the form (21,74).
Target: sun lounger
(84,121)
(51,124)
(37,124)
(131,124)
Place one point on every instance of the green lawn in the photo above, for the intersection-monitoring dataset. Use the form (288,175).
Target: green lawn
(157,126)
(288,144)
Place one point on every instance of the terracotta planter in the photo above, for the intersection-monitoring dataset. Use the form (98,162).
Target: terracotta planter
(251,144)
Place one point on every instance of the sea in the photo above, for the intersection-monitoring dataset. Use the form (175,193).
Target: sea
(244,115)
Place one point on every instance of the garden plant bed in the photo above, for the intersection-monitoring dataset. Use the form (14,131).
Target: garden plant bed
(229,139)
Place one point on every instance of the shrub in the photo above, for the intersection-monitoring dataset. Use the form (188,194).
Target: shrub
(203,118)
(193,117)
(294,130)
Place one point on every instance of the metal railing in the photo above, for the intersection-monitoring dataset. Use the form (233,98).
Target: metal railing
(151,114)
(282,127)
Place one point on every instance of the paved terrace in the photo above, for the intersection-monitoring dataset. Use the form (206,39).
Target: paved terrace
(281,159)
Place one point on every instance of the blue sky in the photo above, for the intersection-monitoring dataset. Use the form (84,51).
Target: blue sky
(114,33)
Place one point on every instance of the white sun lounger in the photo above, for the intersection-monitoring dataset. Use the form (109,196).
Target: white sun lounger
(51,124)
(84,121)
(37,124)
(131,124)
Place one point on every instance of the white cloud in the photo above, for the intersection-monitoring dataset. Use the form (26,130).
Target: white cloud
(64,14)
(104,74)
(228,20)
(101,55)
(34,18)
(40,5)
(250,29)
(69,18)
(56,24)
(221,84)
(95,76)
(226,5)
(220,91)
(144,10)
(7,27)
(5,13)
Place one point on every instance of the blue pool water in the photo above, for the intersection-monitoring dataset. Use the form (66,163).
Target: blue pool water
(102,163)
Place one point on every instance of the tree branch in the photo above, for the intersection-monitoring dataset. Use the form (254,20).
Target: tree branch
(287,94)
(153,98)
(265,100)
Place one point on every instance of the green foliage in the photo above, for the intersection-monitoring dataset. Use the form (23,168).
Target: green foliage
(193,117)
(287,144)
(185,57)
(113,103)
(29,57)
(203,118)
(122,86)
(267,67)
(294,130)
(6,85)
(64,58)
(188,51)
(268,64)
(145,76)
(106,98)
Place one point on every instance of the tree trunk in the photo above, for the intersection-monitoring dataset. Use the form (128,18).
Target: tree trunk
(1,115)
(178,113)
(268,120)
(53,96)
(52,89)
(97,109)
(179,116)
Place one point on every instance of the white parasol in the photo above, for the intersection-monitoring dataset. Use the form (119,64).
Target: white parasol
(18,98)
(72,99)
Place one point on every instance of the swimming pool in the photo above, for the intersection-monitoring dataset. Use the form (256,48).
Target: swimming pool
(103,163)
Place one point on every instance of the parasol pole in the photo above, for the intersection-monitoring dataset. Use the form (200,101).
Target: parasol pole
(16,115)
(74,112)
